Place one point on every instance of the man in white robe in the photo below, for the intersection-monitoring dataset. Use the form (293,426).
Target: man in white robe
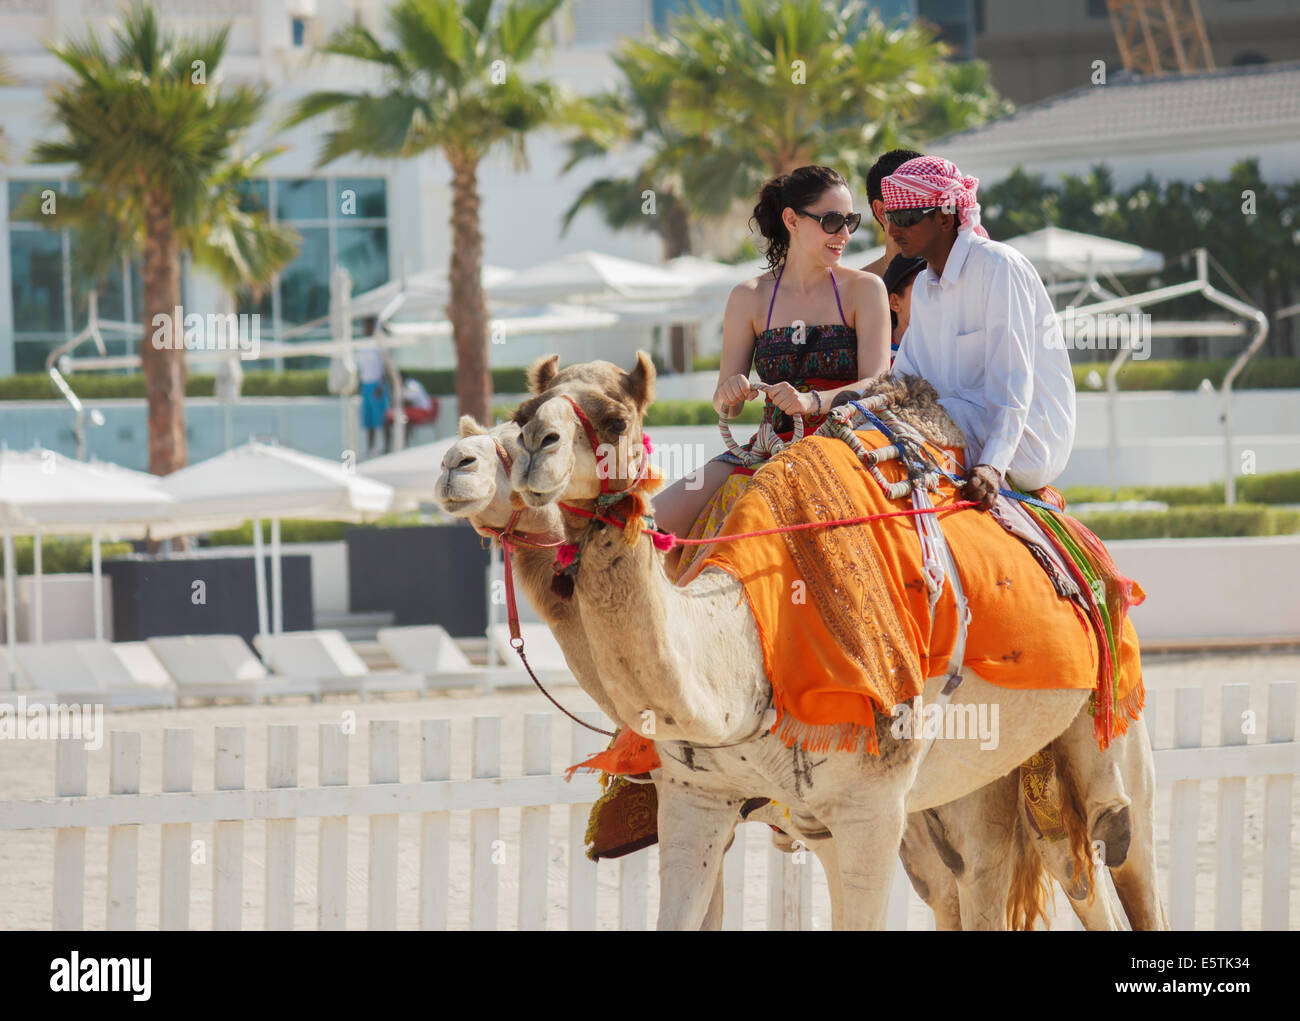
(983,331)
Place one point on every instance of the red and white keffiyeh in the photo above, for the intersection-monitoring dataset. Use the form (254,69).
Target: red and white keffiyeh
(932,181)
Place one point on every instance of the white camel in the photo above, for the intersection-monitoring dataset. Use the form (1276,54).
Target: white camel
(691,657)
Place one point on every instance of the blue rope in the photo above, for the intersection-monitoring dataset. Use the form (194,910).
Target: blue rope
(888,433)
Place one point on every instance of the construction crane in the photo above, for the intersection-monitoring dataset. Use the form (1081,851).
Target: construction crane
(1158,37)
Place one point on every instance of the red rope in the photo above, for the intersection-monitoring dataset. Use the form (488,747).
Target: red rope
(959,505)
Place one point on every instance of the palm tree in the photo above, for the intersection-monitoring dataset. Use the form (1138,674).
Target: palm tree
(152,140)
(451,84)
(787,83)
(652,197)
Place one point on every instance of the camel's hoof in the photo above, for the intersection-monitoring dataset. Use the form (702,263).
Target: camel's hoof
(1114,831)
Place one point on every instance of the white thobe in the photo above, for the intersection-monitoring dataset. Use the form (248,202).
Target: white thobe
(985,334)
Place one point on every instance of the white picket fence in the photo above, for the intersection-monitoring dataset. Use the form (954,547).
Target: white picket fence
(795,889)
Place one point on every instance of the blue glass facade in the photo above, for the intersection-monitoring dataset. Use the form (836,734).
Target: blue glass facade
(342,221)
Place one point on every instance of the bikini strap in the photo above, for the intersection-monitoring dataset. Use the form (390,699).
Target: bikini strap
(771,303)
(837,299)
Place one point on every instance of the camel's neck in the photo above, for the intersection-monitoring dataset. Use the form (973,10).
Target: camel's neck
(690,656)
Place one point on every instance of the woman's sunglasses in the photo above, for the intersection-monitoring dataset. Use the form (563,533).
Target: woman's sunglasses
(832,222)
(908,217)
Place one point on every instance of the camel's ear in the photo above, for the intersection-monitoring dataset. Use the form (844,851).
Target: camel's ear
(541,372)
(469,427)
(640,382)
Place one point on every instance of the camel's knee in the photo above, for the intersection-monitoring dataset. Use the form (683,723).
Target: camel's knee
(1113,830)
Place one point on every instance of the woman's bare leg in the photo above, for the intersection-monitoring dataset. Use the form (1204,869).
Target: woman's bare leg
(677,507)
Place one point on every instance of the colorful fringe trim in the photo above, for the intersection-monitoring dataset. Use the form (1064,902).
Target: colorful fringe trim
(1112,596)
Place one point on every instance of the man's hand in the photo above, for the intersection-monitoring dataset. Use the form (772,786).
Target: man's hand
(982,485)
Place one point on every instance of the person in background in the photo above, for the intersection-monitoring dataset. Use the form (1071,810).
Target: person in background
(881,169)
(898,283)
(372,373)
(420,408)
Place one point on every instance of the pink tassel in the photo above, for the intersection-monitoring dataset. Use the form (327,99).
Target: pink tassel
(645,442)
(566,554)
(663,541)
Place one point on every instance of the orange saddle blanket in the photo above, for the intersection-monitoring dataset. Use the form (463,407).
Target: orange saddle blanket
(843,612)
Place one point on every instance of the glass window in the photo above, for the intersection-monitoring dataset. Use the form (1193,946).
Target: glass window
(301,199)
(30,355)
(255,195)
(36,270)
(361,197)
(1098,9)
(19,192)
(363,252)
(304,284)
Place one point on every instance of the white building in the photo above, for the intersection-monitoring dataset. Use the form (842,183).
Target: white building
(1176,127)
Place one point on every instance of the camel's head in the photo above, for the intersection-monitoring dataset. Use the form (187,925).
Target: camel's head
(555,458)
(474,483)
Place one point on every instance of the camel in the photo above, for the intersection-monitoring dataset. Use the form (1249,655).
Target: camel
(691,657)
(966,841)
(475,485)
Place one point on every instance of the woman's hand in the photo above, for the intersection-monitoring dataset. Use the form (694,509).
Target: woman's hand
(731,395)
(792,401)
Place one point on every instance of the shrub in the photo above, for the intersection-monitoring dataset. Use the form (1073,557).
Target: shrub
(60,555)
(1194,521)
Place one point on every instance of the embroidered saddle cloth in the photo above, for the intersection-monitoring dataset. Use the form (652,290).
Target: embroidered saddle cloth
(843,612)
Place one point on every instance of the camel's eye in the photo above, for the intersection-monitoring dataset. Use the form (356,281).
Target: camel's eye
(615,426)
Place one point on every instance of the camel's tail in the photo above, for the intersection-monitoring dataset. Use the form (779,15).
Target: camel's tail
(1030,889)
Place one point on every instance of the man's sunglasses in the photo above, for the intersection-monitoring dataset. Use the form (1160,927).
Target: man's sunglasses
(908,217)
(832,222)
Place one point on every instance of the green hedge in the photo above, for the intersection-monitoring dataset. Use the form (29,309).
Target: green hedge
(60,555)
(673,413)
(1194,522)
(302,530)
(1275,487)
(1187,373)
(35,386)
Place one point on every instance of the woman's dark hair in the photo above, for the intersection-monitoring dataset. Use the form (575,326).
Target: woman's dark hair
(798,189)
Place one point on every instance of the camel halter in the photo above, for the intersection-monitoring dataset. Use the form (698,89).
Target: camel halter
(509,538)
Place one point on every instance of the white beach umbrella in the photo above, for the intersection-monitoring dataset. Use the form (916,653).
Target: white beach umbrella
(411,472)
(1057,252)
(423,292)
(590,275)
(259,480)
(42,492)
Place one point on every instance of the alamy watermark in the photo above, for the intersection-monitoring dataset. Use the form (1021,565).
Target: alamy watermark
(217,331)
(951,722)
(42,721)
(1082,330)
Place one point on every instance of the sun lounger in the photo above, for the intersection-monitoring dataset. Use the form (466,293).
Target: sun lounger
(129,673)
(428,650)
(325,658)
(541,648)
(222,666)
(58,668)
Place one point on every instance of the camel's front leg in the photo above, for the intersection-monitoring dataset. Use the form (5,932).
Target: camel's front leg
(867,846)
(694,828)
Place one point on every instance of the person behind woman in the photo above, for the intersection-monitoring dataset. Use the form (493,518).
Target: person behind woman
(898,282)
(811,327)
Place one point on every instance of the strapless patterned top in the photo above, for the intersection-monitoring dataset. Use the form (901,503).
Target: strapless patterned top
(825,358)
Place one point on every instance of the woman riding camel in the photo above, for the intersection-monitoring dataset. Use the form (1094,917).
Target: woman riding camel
(811,327)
